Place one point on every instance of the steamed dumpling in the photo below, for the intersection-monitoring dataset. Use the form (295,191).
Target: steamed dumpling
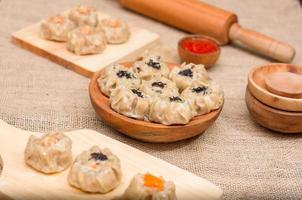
(186,74)
(50,153)
(1,165)
(116,31)
(86,40)
(149,187)
(150,66)
(116,75)
(56,28)
(96,170)
(203,98)
(159,86)
(131,102)
(170,110)
(84,15)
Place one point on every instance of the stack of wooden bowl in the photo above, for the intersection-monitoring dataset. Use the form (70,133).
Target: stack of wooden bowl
(274,96)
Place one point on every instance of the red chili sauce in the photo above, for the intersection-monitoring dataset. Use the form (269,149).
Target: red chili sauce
(199,45)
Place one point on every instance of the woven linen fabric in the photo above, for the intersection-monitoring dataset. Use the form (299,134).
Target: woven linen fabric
(244,159)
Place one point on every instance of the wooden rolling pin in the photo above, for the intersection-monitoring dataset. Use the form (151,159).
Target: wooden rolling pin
(198,17)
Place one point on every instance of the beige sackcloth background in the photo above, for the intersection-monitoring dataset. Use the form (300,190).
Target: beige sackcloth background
(244,159)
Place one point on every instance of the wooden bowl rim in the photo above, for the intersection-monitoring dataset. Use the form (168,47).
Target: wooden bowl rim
(193,122)
(292,103)
(212,40)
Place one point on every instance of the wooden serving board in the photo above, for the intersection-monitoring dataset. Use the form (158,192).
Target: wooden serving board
(20,182)
(86,65)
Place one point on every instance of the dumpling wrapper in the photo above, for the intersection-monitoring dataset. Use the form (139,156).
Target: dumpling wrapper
(139,189)
(1,165)
(56,28)
(186,74)
(116,31)
(84,15)
(115,76)
(50,153)
(170,110)
(203,98)
(130,102)
(96,170)
(150,66)
(86,40)
(159,86)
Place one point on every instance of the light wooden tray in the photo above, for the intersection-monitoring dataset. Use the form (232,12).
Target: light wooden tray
(20,182)
(140,40)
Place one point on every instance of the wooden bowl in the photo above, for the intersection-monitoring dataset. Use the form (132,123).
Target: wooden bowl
(272,118)
(258,88)
(207,59)
(143,130)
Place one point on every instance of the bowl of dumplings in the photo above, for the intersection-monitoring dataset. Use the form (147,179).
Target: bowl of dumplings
(155,101)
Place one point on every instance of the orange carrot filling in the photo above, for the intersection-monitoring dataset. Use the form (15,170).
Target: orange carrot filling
(57,19)
(153,182)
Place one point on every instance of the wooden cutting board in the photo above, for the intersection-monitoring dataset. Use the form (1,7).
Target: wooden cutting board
(20,182)
(140,40)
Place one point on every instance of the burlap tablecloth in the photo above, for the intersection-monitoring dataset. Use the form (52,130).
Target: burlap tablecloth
(244,159)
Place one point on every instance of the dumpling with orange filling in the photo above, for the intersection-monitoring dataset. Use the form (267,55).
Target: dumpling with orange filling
(116,31)
(50,153)
(84,15)
(150,187)
(56,28)
(86,40)
(96,170)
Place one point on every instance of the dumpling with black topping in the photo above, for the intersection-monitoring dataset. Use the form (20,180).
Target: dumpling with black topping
(170,110)
(203,98)
(84,15)
(50,153)
(96,170)
(159,86)
(131,102)
(116,75)
(186,74)
(56,28)
(150,187)
(150,66)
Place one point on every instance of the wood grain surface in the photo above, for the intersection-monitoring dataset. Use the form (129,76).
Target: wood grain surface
(257,86)
(143,130)
(139,41)
(271,118)
(20,182)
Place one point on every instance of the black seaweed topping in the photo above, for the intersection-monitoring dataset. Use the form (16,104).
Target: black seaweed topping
(137,92)
(154,64)
(201,89)
(159,84)
(123,73)
(175,98)
(98,156)
(186,72)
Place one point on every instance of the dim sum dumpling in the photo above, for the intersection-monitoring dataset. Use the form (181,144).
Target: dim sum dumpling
(131,102)
(170,110)
(203,98)
(186,74)
(86,40)
(50,153)
(56,28)
(116,31)
(84,15)
(116,75)
(96,170)
(159,86)
(150,187)
(150,66)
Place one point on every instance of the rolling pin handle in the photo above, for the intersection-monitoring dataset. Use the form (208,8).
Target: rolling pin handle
(262,44)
